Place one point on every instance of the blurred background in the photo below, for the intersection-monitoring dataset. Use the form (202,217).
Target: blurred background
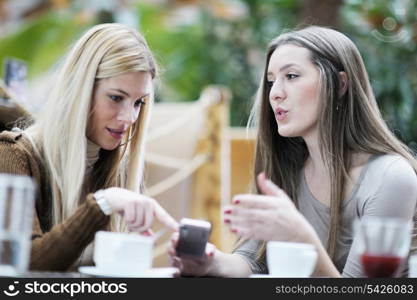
(199,153)
(201,42)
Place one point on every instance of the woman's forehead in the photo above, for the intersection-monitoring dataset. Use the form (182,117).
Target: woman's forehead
(289,54)
(138,82)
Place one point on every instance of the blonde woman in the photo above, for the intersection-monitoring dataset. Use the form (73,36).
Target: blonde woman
(85,151)
(324,157)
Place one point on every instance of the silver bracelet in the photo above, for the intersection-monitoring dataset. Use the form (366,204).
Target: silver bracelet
(102,202)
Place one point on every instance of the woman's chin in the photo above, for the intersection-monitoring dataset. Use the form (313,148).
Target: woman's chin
(110,146)
(285,132)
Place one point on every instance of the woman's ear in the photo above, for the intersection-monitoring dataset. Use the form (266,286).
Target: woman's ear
(343,83)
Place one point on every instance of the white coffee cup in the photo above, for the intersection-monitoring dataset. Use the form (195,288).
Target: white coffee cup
(122,253)
(412,266)
(287,259)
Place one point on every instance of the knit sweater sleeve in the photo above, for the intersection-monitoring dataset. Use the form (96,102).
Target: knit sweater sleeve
(59,248)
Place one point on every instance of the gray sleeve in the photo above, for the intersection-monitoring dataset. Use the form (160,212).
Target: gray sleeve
(248,250)
(396,196)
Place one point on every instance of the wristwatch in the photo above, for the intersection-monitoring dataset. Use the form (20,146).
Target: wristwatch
(102,202)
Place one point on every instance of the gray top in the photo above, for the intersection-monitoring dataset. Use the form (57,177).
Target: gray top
(387,186)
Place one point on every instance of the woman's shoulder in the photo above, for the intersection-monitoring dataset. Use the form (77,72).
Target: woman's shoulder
(391,170)
(11,136)
(378,164)
(16,140)
(389,187)
(389,162)
(16,152)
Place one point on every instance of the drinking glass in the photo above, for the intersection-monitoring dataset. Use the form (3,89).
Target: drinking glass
(16,214)
(383,244)
(412,266)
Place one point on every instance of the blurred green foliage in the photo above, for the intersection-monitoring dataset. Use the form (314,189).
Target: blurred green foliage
(42,41)
(229,49)
(216,50)
(386,34)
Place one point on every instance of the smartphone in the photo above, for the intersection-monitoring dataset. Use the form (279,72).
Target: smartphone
(194,235)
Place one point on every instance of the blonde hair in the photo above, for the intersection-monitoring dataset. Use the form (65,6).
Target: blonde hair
(347,124)
(104,51)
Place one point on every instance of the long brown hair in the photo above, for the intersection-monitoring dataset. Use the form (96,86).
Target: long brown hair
(347,124)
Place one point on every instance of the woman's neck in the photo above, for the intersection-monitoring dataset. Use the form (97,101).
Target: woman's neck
(316,174)
(92,153)
(315,162)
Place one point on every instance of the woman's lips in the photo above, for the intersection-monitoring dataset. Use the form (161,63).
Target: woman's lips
(117,134)
(280,114)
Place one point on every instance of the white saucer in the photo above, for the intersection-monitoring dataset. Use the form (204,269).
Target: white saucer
(262,276)
(150,273)
(271,276)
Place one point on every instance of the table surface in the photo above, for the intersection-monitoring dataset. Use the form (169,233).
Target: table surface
(39,274)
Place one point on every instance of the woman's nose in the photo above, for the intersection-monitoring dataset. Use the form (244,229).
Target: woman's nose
(277,92)
(127,114)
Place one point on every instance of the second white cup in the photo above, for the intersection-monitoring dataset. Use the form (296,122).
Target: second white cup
(287,259)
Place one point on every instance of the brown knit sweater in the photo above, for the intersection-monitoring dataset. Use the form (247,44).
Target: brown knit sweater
(53,248)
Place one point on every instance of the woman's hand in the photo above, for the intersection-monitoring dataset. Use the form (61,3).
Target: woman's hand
(138,210)
(271,216)
(191,266)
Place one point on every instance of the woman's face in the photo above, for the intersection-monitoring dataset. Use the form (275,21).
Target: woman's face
(117,102)
(294,83)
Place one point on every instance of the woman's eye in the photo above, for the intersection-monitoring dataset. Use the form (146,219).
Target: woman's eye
(139,102)
(116,98)
(291,76)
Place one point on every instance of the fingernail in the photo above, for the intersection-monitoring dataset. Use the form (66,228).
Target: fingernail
(237,201)
(227,221)
(228,211)
(234,230)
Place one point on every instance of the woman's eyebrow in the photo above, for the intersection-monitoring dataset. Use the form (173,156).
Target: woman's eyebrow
(286,66)
(121,91)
